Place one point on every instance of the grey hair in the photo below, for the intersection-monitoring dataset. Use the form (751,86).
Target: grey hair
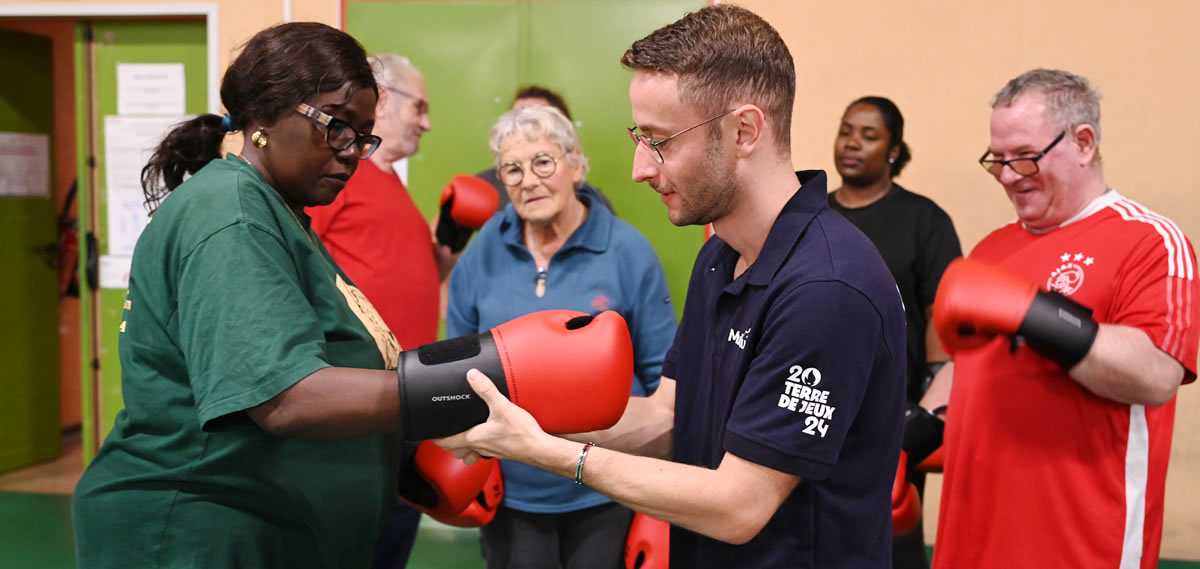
(393,70)
(1072,100)
(534,121)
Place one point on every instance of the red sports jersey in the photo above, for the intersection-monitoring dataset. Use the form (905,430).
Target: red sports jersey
(1039,472)
(383,243)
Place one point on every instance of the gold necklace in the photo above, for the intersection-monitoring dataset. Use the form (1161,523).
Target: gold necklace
(307,233)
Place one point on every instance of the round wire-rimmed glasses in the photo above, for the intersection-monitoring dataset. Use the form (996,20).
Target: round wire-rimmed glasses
(543,165)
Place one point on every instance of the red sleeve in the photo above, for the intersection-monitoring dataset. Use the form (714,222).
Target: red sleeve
(1157,293)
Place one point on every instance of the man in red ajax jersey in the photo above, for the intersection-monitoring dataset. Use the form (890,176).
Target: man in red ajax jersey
(1071,330)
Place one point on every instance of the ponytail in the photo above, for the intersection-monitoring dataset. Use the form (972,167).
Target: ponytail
(186,149)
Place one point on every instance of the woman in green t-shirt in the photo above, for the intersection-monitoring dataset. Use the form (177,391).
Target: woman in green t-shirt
(259,410)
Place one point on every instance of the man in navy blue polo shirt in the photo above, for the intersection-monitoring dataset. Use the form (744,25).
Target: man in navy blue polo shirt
(780,404)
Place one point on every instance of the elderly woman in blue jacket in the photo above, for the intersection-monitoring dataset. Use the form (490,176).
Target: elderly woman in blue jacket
(555,247)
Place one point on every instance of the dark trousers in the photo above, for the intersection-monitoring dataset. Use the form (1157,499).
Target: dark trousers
(396,537)
(908,551)
(592,538)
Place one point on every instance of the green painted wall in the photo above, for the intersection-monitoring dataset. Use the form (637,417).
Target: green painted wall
(29,384)
(474,55)
(116,43)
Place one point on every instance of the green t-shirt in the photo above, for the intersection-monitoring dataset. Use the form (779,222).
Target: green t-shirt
(231,301)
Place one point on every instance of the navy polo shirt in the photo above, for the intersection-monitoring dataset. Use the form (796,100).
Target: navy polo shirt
(797,365)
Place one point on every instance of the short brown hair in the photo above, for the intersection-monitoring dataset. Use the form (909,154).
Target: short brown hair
(723,54)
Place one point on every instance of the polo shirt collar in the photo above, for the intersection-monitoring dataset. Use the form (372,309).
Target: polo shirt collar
(593,235)
(804,205)
(791,223)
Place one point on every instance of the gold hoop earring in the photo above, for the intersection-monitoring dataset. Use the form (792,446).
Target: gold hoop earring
(259,138)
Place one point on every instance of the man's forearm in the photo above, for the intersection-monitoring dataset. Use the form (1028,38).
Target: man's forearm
(1125,366)
(730,504)
(645,429)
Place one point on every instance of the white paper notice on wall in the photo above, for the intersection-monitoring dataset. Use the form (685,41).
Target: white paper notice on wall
(114,271)
(24,165)
(128,144)
(150,89)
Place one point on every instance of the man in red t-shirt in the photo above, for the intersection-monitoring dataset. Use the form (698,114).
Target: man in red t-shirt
(1059,425)
(374,230)
(382,242)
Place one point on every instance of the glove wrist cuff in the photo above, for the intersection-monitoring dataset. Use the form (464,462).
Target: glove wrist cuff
(1059,328)
(923,432)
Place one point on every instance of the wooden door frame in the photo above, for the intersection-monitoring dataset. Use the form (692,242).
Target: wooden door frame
(209,10)
(90,315)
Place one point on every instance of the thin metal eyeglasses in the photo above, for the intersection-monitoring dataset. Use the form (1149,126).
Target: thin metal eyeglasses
(645,140)
(542,165)
(1026,166)
(339,135)
(422,104)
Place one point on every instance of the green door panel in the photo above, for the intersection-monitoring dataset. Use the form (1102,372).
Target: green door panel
(466,51)
(30,431)
(122,43)
(588,73)
(474,55)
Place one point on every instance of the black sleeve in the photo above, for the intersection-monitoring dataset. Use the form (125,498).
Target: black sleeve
(940,246)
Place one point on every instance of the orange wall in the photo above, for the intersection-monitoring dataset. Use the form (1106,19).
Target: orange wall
(941,61)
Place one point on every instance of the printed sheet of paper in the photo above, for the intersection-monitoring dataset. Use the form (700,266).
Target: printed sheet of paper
(114,271)
(128,144)
(24,165)
(150,89)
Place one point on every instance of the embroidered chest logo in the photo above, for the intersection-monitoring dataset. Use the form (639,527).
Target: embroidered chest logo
(739,337)
(801,396)
(1068,276)
(600,302)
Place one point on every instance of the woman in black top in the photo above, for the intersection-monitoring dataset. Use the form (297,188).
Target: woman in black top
(915,237)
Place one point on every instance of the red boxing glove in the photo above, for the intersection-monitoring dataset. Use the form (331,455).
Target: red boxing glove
(451,491)
(467,203)
(933,463)
(648,545)
(571,371)
(976,302)
(906,502)
(482,510)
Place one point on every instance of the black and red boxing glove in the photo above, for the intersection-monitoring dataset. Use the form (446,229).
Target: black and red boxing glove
(976,302)
(467,203)
(923,433)
(449,490)
(648,545)
(571,371)
(906,502)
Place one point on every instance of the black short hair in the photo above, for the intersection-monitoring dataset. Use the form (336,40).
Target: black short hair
(894,121)
(279,68)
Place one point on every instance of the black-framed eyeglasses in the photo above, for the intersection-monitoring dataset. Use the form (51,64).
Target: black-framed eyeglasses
(422,104)
(1026,166)
(542,165)
(653,145)
(339,135)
